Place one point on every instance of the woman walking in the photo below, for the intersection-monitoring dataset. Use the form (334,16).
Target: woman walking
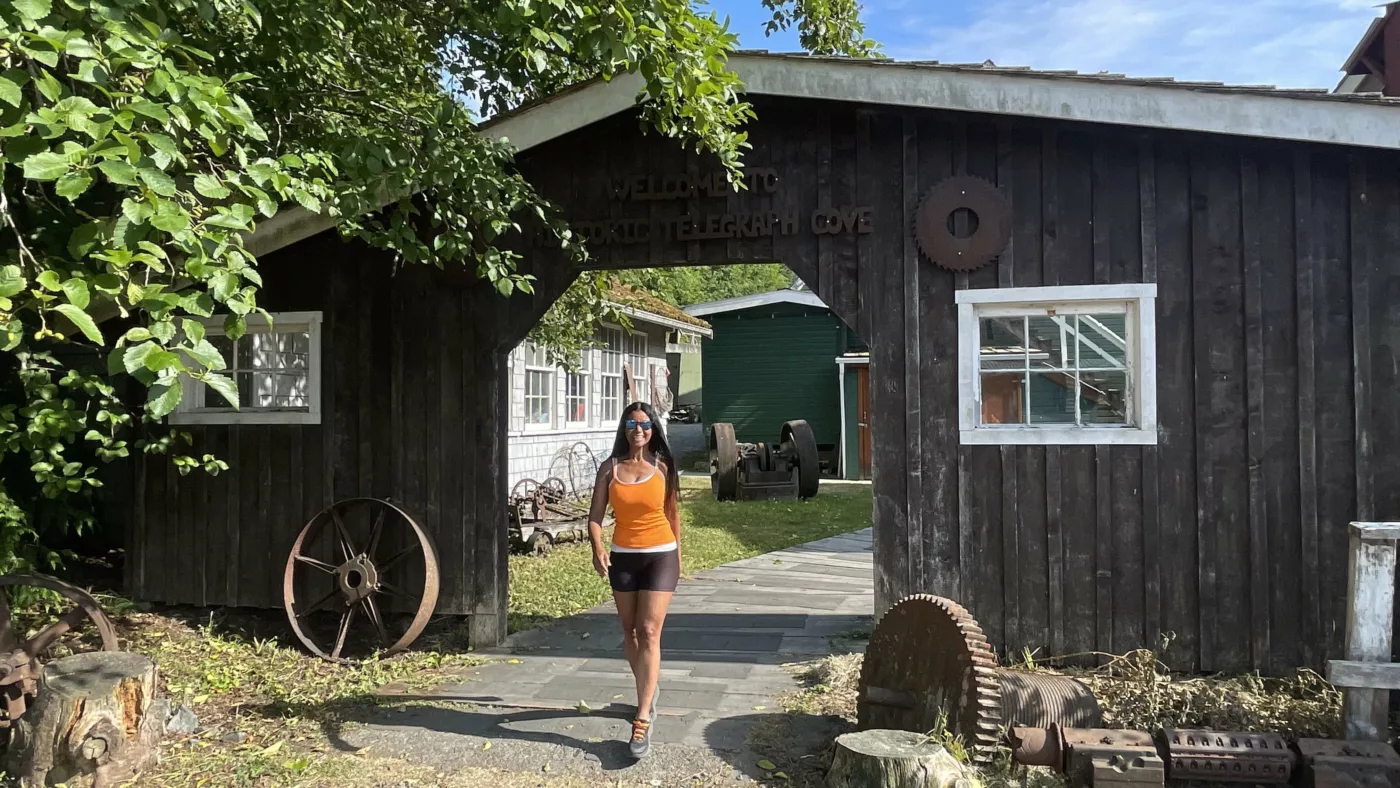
(639,481)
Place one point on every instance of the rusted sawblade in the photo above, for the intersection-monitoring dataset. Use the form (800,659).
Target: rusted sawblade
(927,664)
(366,559)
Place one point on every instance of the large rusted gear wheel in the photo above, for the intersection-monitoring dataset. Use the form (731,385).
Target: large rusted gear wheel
(937,240)
(927,658)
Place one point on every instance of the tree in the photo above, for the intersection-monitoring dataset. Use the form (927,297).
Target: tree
(142,140)
(698,284)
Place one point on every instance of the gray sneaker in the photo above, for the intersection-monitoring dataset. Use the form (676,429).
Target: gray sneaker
(641,738)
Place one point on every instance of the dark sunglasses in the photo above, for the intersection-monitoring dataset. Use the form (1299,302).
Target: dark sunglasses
(633,424)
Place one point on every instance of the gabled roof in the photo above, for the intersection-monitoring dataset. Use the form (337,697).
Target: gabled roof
(648,307)
(785,296)
(1302,115)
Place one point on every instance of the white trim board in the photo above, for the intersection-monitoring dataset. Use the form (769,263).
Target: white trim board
(803,298)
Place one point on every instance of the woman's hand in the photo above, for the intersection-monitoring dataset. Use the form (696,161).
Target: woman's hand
(600,563)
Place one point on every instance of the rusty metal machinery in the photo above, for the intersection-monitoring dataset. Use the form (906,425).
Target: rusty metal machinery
(1219,756)
(790,468)
(365,559)
(929,663)
(1328,763)
(543,513)
(22,657)
(1205,756)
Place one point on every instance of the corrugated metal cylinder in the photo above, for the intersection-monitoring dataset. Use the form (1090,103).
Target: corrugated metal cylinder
(1039,700)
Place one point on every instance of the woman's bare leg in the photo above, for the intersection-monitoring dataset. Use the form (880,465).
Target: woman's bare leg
(627,613)
(650,615)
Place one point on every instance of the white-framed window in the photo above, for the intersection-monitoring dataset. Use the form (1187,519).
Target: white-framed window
(637,365)
(576,395)
(539,388)
(276,367)
(614,349)
(1058,365)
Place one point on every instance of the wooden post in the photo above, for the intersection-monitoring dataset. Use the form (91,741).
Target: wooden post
(1370,614)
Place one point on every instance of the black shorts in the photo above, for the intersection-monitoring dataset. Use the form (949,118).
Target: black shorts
(644,571)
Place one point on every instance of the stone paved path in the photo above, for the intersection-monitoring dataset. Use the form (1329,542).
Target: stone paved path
(729,631)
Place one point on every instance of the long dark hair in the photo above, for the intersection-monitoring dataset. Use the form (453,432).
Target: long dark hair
(657,445)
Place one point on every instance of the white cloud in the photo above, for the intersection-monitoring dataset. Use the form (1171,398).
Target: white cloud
(1291,43)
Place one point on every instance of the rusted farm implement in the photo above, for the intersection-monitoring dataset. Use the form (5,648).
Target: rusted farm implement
(556,509)
(928,664)
(787,469)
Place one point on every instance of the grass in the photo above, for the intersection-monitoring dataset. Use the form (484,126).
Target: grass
(563,582)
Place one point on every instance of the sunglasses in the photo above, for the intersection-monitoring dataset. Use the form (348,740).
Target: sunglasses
(633,424)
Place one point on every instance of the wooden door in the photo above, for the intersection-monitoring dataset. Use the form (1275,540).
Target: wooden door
(863,418)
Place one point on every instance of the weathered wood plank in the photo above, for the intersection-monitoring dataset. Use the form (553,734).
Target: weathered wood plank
(1363,675)
(924,575)
(1051,263)
(1176,414)
(1310,580)
(1363,219)
(1151,541)
(1370,616)
(1254,392)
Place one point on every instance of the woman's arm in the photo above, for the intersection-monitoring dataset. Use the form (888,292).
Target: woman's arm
(672,509)
(596,511)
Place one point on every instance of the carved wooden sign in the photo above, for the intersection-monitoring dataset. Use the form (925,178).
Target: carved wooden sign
(706,226)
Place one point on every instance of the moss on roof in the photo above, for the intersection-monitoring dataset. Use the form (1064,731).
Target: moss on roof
(646,302)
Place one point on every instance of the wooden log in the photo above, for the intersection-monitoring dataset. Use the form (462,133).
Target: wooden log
(93,723)
(895,759)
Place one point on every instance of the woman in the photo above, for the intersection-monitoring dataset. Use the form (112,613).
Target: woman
(639,481)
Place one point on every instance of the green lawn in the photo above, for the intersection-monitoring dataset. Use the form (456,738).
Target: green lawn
(563,583)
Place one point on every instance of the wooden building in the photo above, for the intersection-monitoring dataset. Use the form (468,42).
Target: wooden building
(1211,271)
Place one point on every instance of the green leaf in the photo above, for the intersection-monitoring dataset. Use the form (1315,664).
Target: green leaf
(150,109)
(10,90)
(235,326)
(159,182)
(164,398)
(12,281)
(171,218)
(82,320)
(205,353)
(34,10)
(77,292)
(163,330)
(50,87)
(46,166)
(50,281)
(119,172)
(72,185)
(137,334)
(767,766)
(193,329)
(226,388)
(135,356)
(210,187)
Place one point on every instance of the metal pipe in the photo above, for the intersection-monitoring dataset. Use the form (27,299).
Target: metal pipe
(841,386)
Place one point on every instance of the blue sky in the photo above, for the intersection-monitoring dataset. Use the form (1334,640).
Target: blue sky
(1290,43)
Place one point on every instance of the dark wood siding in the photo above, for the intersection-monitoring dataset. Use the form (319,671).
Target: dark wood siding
(1278,335)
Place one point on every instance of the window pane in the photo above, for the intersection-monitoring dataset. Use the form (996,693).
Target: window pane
(1104,397)
(539,396)
(1049,345)
(1051,398)
(278,390)
(1003,398)
(1103,342)
(1002,344)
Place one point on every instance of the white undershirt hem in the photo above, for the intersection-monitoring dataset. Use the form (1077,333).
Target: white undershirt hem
(658,549)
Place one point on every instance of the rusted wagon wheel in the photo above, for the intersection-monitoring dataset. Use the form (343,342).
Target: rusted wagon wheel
(21,654)
(799,442)
(724,462)
(554,490)
(367,556)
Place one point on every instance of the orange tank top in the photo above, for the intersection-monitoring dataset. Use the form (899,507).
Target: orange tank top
(640,511)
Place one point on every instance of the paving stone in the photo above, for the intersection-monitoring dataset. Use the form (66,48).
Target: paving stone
(714,670)
(800,601)
(836,571)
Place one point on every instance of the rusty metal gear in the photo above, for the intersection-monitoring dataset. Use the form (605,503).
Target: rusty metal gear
(937,240)
(928,658)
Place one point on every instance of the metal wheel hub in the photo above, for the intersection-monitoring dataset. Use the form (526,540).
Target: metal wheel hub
(358,579)
(20,658)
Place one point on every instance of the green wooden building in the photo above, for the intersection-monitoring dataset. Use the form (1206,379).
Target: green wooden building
(780,356)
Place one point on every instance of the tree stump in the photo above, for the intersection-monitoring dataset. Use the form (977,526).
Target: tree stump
(895,759)
(93,723)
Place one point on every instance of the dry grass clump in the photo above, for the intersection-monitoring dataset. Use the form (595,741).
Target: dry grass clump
(1137,691)
(829,687)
